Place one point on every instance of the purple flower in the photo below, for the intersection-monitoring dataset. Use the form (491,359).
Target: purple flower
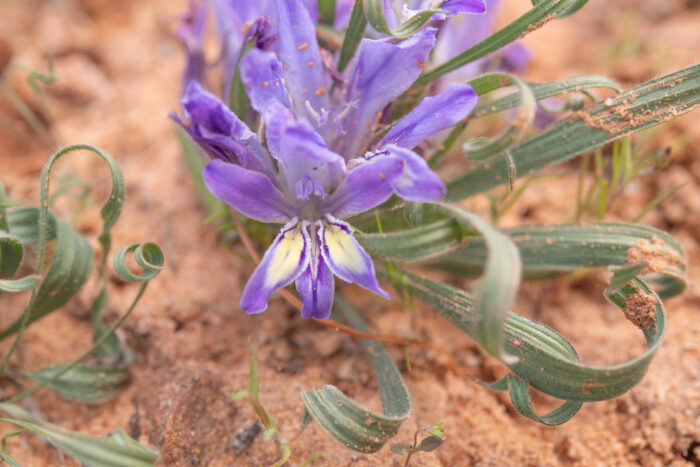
(321,162)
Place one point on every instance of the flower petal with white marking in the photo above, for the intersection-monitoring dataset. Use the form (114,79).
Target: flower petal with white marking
(345,257)
(283,262)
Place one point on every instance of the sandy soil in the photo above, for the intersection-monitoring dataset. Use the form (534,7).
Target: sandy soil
(119,76)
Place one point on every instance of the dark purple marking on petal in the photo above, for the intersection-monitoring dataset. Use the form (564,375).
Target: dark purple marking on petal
(316,285)
(432,115)
(248,192)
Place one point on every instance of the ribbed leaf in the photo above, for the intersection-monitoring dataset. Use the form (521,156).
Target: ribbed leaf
(545,249)
(349,423)
(19,285)
(24,222)
(420,243)
(545,359)
(481,148)
(519,391)
(642,107)
(70,267)
(543,12)
(117,450)
(84,383)
(84,387)
(73,257)
(147,255)
(497,288)
(543,91)
(11,252)
(111,349)
(353,35)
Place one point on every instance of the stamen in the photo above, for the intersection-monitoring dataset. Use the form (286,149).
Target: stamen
(312,111)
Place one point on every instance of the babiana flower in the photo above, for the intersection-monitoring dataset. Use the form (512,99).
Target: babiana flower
(319,162)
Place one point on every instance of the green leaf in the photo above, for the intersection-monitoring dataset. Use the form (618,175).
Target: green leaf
(353,35)
(642,107)
(547,249)
(117,450)
(148,256)
(430,443)
(419,243)
(70,267)
(24,225)
(11,252)
(481,148)
(349,423)
(436,430)
(544,249)
(10,461)
(84,383)
(3,211)
(542,91)
(326,11)
(73,258)
(151,259)
(19,285)
(496,290)
(111,348)
(545,359)
(519,391)
(401,448)
(543,12)
(375,15)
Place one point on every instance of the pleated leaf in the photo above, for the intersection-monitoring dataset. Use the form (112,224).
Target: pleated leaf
(71,265)
(84,383)
(546,361)
(116,450)
(642,107)
(348,422)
